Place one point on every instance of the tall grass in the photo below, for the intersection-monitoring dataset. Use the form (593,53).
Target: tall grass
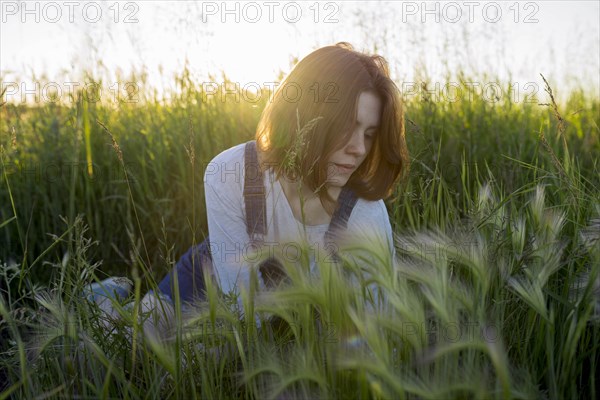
(494,293)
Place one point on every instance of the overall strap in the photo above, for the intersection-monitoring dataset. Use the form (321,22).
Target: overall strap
(254,195)
(271,270)
(339,220)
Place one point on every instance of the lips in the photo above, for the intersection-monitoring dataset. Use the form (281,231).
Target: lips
(345,168)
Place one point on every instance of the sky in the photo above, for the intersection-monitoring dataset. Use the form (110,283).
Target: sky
(52,43)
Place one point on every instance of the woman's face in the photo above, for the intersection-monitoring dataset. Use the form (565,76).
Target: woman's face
(346,160)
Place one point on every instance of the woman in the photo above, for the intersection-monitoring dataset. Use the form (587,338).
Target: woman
(329,148)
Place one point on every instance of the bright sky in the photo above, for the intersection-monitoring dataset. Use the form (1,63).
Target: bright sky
(252,41)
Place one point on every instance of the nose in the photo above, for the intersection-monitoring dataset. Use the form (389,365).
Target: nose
(357,144)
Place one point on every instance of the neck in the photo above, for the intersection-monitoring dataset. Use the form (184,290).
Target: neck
(297,191)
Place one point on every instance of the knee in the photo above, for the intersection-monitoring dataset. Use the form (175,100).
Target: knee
(157,315)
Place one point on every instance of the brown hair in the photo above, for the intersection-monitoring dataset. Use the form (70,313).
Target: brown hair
(312,113)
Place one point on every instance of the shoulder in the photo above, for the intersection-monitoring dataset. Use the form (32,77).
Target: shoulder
(226,167)
(369,221)
(233,153)
(366,210)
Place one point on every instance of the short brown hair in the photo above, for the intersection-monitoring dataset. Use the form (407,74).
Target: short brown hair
(324,88)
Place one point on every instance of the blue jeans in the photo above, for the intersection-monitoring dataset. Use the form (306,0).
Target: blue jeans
(189,271)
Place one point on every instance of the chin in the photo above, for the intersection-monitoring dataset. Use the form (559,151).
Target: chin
(337,182)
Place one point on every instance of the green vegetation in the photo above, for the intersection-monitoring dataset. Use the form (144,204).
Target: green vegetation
(495,293)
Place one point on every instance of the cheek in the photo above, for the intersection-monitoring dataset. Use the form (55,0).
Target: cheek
(368,147)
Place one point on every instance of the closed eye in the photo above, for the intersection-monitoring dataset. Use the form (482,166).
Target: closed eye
(370,134)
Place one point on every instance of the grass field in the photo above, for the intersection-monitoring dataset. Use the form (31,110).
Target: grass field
(495,292)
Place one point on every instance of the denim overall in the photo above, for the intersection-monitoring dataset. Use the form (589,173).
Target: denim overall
(191,266)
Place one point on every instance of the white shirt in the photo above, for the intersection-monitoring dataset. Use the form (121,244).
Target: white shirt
(233,256)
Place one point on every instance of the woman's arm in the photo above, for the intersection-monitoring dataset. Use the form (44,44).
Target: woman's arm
(369,225)
(223,187)
(370,244)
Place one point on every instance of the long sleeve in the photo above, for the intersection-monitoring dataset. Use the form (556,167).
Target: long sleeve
(369,226)
(370,243)
(223,186)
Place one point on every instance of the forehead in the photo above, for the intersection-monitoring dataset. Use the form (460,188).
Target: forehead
(368,111)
